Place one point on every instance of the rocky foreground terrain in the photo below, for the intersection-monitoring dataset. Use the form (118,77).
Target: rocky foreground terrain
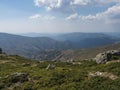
(18,73)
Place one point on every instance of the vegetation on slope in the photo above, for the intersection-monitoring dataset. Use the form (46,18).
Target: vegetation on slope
(65,75)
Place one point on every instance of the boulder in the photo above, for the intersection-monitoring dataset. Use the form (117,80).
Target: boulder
(104,57)
(19,77)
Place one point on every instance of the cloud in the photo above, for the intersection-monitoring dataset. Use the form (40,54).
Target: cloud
(88,17)
(107,1)
(48,4)
(39,16)
(35,16)
(72,16)
(80,2)
(111,15)
(72,6)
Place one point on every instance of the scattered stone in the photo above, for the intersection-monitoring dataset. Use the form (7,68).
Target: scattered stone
(103,74)
(50,66)
(70,61)
(41,61)
(74,63)
(104,57)
(25,64)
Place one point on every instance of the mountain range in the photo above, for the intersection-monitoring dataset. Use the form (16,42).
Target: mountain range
(27,46)
(52,46)
(81,40)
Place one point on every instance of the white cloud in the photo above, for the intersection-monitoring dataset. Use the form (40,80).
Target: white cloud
(48,4)
(72,16)
(80,2)
(39,16)
(74,9)
(71,6)
(35,16)
(111,15)
(89,17)
(106,1)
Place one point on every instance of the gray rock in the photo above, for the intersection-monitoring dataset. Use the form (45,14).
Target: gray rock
(50,66)
(101,58)
(25,64)
(19,77)
(114,52)
(104,57)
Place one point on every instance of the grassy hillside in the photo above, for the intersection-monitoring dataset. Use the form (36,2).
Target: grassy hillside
(17,73)
(87,53)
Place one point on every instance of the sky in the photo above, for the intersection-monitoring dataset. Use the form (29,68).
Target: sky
(59,16)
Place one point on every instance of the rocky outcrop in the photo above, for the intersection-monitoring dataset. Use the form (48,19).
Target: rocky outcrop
(104,57)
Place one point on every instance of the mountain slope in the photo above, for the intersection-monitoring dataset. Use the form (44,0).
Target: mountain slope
(87,53)
(27,46)
(87,40)
(75,54)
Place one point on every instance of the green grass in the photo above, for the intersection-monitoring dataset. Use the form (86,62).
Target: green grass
(66,76)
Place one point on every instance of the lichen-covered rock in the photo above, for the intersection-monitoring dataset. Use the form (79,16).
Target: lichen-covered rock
(106,56)
(19,77)
(102,58)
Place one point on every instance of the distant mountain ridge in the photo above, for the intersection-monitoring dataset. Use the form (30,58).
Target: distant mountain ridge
(81,40)
(28,46)
(44,47)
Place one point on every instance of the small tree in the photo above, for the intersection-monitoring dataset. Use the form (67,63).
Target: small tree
(0,50)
